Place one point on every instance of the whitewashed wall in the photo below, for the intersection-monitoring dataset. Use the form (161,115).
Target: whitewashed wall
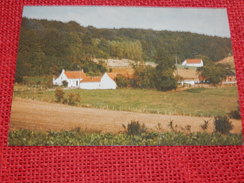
(75,83)
(192,65)
(105,83)
(62,77)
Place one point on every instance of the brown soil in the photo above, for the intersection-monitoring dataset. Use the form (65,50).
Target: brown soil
(43,116)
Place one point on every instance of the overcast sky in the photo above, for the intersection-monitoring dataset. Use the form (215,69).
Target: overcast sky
(198,20)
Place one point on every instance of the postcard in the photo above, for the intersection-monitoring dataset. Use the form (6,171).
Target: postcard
(138,76)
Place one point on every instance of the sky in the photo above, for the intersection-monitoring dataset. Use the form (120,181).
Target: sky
(198,20)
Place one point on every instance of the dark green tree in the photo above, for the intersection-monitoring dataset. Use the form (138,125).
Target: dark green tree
(215,73)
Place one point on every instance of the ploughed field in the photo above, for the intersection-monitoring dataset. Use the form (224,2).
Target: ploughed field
(44,116)
(203,102)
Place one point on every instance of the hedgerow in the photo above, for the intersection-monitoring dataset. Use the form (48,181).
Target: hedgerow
(81,138)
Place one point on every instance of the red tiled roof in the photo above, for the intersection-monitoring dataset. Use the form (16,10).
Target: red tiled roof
(92,79)
(193,61)
(75,74)
(112,75)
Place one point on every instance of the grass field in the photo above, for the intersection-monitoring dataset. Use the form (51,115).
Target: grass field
(191,102)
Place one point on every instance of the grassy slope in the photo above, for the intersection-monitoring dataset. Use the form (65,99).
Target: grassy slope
(195,102)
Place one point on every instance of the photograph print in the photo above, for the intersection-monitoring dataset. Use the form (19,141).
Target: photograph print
(137,76)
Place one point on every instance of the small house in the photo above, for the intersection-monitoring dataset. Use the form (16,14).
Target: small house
(100,82)
(78,79)
(72,78)
(193,63)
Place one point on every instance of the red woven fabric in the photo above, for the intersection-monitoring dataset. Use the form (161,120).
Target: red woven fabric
(114,164)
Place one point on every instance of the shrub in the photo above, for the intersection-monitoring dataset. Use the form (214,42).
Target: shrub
(205,125)
(122,81)
(65,83)
(235,114)
(72,99)
(59,95)
(171,126)
(77,137)
(135,128)
(188,128)
(222,124)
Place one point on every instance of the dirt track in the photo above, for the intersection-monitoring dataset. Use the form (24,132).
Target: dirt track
(36,115)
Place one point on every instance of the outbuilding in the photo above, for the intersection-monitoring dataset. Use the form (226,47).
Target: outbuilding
(193,63)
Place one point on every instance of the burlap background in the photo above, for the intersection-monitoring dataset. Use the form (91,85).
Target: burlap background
(114,164)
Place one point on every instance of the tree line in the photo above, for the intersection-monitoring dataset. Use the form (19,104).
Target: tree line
(46,47)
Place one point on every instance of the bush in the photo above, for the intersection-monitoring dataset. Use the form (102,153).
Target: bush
(59,95)
(122,81)
(77,137)
(65,83)
(205,125)
(135,128)
(235,114)
(172,126)
(222,124)
(72,99)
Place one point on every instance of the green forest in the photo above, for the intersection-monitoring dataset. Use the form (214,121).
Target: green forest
(46,47)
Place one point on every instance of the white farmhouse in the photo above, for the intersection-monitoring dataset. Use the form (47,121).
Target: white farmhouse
(78,79)
(193,63)
(101,82)
(73,78)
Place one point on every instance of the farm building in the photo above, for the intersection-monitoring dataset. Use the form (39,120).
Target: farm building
(231,79)
(101,82)
(72,78)
(78,79)
(193,63)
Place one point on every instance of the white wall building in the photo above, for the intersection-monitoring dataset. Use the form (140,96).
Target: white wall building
(73,78)
(78,79)
(103,82)
(192,63)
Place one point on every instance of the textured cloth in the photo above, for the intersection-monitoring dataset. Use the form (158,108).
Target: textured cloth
(114,164)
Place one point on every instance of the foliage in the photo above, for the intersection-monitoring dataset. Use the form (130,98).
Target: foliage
(235,114)
(222,124)
(24,137)
(215,73)
(59,95)
(205,125)
(46,47)
(122,81)
(144,77)
(92,68)
(134,128)
(171,126)
(65,83)
(160,78)
(38,81)
(72,99)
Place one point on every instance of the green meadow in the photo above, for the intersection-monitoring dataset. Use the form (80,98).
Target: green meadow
(190,102)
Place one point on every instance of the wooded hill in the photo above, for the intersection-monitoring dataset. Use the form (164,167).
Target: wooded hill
(45,47)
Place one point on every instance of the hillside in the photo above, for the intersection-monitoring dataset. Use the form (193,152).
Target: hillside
(45,47)
(228,60)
